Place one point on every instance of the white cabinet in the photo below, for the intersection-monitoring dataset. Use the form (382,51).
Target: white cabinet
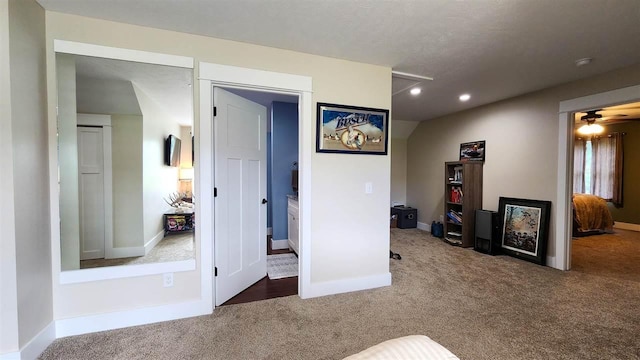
(292,222)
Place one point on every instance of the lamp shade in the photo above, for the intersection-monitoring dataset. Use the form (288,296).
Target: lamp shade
(186,174)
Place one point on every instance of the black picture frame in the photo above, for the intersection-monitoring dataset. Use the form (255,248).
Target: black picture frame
(524,228)
(352,129)
(472,151)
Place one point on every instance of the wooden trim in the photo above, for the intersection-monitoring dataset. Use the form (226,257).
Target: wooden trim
(244,78)
(563,216)
(78,48)
(125,271)
(626,226)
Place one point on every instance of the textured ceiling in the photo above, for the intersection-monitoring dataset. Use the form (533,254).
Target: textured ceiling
(492,49)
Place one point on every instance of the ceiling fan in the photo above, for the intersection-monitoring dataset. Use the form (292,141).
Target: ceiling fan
(591,128)
(591,116)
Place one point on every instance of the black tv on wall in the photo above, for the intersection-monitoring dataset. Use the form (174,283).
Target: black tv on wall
(172,151)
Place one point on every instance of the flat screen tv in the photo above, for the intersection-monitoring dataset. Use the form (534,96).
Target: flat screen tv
(172,151)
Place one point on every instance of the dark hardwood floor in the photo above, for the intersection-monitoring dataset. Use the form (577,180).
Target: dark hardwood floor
(266,288)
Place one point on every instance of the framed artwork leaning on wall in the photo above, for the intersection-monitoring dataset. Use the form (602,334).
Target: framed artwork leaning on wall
(525,228)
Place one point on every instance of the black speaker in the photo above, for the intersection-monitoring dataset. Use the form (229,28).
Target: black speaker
(487,237)
(407,216)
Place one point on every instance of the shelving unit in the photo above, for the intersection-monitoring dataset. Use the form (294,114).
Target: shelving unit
(463,196)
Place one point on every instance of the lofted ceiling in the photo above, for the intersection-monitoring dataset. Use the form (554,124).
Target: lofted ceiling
(105,86)
(491,49)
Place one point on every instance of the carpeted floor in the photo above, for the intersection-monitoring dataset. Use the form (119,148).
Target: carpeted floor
(478,306)
(614,255)
(174,247)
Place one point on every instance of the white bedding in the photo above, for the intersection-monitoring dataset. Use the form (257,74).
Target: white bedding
(407,347)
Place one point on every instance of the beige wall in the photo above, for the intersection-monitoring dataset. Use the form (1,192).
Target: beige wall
(8,286)
(30,168)
(363,240)
(630,211)
(126,149)
(521,146)
(399,171)
(158,180)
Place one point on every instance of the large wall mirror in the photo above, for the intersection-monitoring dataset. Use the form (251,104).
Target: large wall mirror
(125,161)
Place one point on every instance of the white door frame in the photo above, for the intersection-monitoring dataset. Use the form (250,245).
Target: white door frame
(568,108)
(244,78)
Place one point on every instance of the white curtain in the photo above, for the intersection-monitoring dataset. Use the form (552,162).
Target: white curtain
(578,166)
(603,167)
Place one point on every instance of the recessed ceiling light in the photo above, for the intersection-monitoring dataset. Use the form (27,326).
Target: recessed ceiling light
(583,61)
(464,97)
(415,91)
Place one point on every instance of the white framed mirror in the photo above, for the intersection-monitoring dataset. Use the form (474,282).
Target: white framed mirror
(124,133)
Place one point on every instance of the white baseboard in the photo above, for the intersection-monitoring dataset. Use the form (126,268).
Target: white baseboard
(153,242)
(424,226)
(122,319)
(35,346)
(626,226)
(348,285)
(279,244)
(269,231)
(551,262)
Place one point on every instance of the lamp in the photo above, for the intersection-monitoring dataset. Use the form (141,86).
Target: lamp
(186,174)
(591,128)
(186,177)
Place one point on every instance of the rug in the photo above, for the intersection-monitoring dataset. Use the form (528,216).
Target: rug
(282,266)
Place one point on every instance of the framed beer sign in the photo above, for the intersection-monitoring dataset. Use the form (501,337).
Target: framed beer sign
(352,130)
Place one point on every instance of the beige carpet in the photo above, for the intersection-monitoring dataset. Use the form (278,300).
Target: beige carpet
(614,255)
(478,306)
(174,247)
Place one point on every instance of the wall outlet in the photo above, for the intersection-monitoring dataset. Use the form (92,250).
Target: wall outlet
(167,280)
(441,218)
(368,188)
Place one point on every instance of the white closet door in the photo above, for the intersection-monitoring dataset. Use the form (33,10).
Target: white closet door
(91,188)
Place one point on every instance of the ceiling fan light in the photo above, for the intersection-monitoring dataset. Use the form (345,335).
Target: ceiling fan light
(590,129)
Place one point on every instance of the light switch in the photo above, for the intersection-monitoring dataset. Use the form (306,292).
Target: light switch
(368,188)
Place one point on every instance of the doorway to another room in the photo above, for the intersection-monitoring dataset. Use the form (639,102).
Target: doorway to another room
(606,215)
(568,110)
(281,139)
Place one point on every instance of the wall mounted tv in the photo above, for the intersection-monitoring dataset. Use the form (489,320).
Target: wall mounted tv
(172,151)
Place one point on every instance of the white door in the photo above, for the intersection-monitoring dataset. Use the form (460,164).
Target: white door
(240,211)
(91,192)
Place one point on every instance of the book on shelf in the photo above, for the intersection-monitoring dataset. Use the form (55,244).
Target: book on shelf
(457,174)
(455,216)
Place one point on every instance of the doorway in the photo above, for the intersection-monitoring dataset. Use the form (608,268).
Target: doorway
(568,108)
(212,75)
(281,140)
(606,236)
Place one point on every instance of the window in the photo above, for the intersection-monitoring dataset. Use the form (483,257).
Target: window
(598,167)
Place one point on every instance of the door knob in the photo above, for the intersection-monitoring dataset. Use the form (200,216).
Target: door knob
(264,201)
